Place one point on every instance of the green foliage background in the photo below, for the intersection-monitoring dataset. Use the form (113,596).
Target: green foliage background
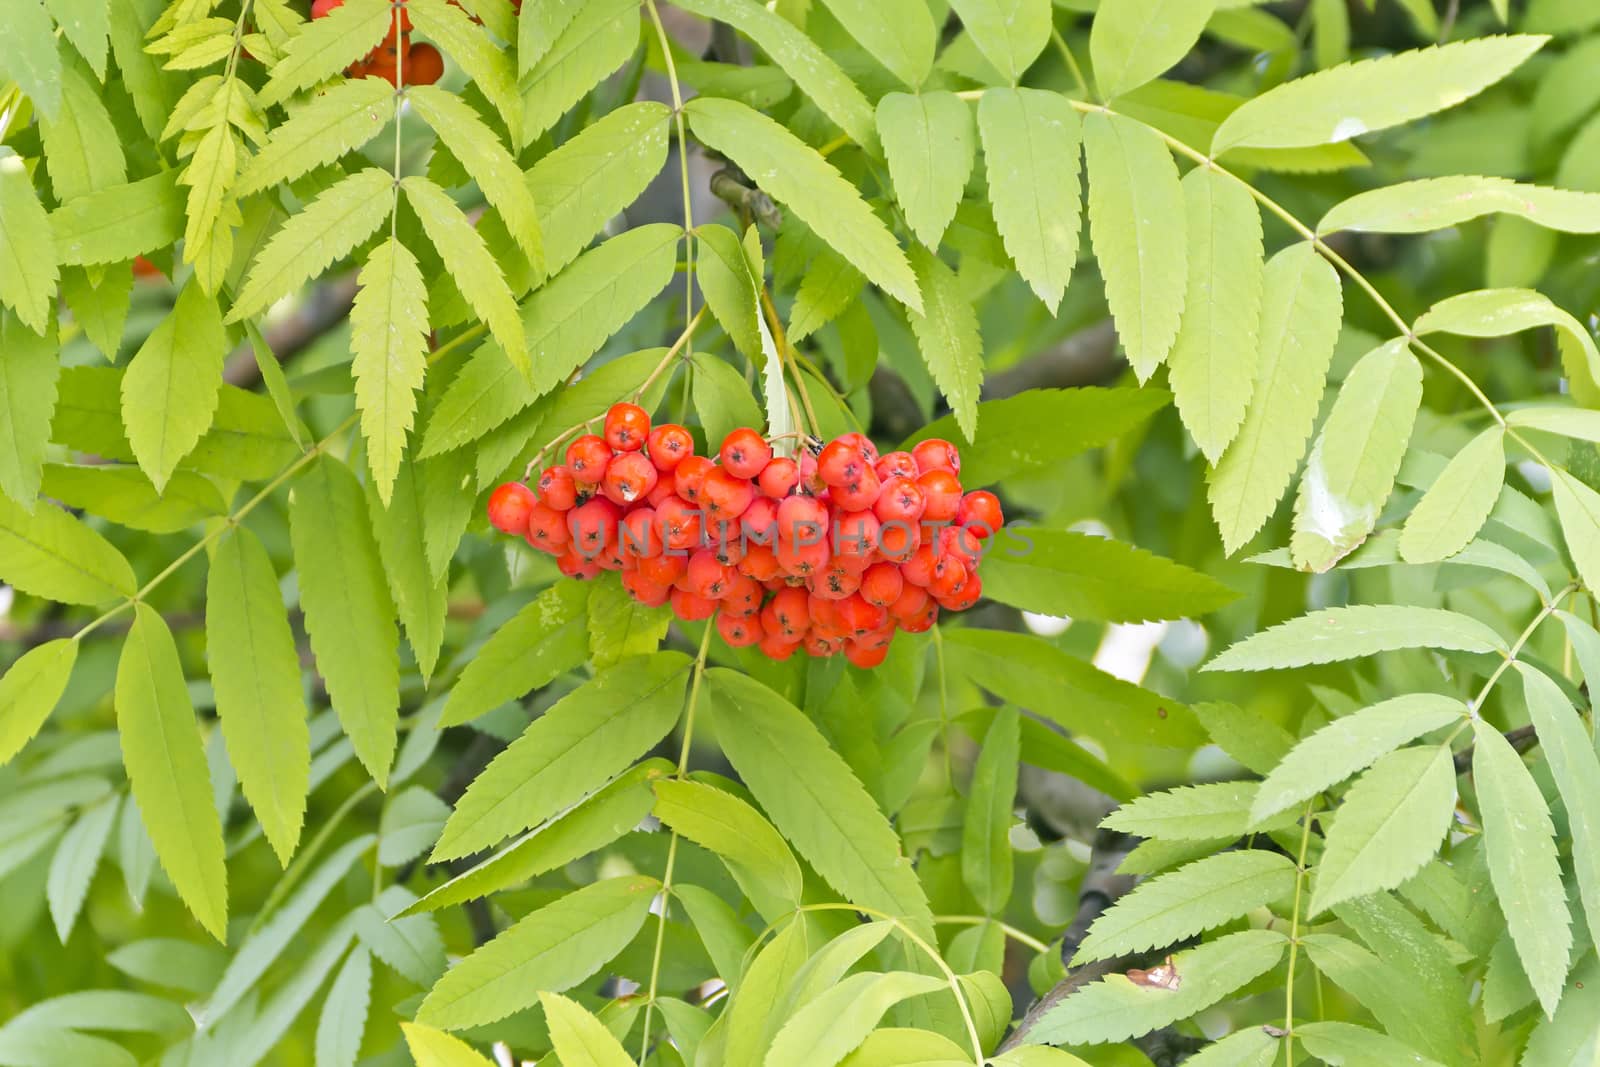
(1294,302)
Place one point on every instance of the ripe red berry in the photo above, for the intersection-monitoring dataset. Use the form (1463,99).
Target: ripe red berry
(509,506)
(690,475)
(936,454)
(941,495)
(918,569)
(896,464)
(948,577)
(626,427)
(864,444)
(758,524)
(882,584)
(855,534)
(557,487)
(859,617)
(835,583)
(669,444)
(761,563)
(547,529)
(679,521)
(803,559)
(841,463)
(913,599)
(900,500)
(776,648)
(803,519)
(663,568)
(638,535)
(858,494)
(574,565)
(965,597)
(865,655)
(745,453)
(779,477)
(629,477)
(587,458)
(738,631)
(707,576)
(980,512)
(651,594)
(897,539)
(691,608)
(787,614)
(593,526)
(424,64)
(725,495)
(743,595)
(321,8)
(961,543)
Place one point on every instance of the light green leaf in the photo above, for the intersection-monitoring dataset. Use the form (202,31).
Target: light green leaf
(1116,1008)
(792,172)
(342,119)
(812,69)
(565,322)
(80,142)
(53,555)
(1519,841)
(1578,508)
(1502,312)
(1570,1035)
(411,820)
(30,58)
(27,249)
(1335,634)
(1429,204)
(1389,825)
(946,328)
(324,47)
(1136,222)
(620,626)
(1212,367)
(1353,464)
(28,373)
(986,865)
(900,1047)
(255,672)
(170,392)
(1136,41)
(1192,813)
(1300,313)
(1009,33)
(1350,744)
(900,34)
(1346,1043)
(38,1046)
(1060,572)
(543,640)
(389,340)
(482,155)
(29,691)
(72,867)
(537,29)
(579,1038)
(1356,98)
(1459,501)
(344,1013)
(87,24)
(100,307)
(124,495)
(1254,1047)
(1031,1056)
(755,853)
(1082,419)
(210,210)
(928,141)
(830,285)
(349,615)
(550,949)
(166,763)
(722,398)
(812,796)
(1187,901)
(592,733)
(435,1048)
(824,1031)
(600,37)
(420,597)
(116,224)
(731,287)
(327,229)
(409,946)
(1031,155)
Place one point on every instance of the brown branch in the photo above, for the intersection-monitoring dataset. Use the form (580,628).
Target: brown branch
(327,306)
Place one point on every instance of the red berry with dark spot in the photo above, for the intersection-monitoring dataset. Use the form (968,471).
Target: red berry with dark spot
(558,488)
(779,477)
(936,454)
(669,444)
(626,427)
(941,495)
(690,475)
(587,458)
(745,453)
(629,477)
(980,512)
(509,506)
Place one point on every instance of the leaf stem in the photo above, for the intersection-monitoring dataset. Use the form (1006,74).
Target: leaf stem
(1021,937)
(683,157)
(1294,935)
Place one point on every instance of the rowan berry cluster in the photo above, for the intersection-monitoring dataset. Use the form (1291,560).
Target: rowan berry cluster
(396,57)
(831,552)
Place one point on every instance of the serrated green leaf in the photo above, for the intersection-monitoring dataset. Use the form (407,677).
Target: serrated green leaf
(327,229)
(87,24)
(410,946)
(580,1039)
(1030,148)
(486,65)
(324,47)
(543,640)
(1187,901)
(812,69)
(349,616)
(170,392)
(30,58)
(538,27)
(824,1031)
(1357,98)
(209,209)
(986,865)
(1136,223)
(345,117)
(791,171)
(1335,634)
(1212,367)
(1136,41)
(389,340)
(900,34)
(1009,33)
(480,152)
(1116,1008)
(1501,312)
(29,370)
(101,308)
(435,1048)
(1578,508)
(1300,312)
(1519,841)
(1346,1043)
(1429,204)
(722,398)
(1059,572)
(344,1013)
(620,626)
(411,819)
(812,796)
(755,853)
(28,263)
(830,286)
(946,330)
(53,555)
(116,224)
(1459,501)
(80,142)
(592,733)
(1193,813)
(730,287)
(566,322)
(1350,744)
(1084,418)
(1254,1047)
(72,867)
(420,597)
(929,144)
(1353,464)
(29,691)
(551,949)
(255,672)
(166,763)
(598,39)
(1389,825)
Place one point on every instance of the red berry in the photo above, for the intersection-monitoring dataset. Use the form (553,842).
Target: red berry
(922,621)
(509,506)
(557,487)
(822,647)
(897,540)
(779,477)
(919,568)
(859,617)
(936,454)
(629,477)
(864,444)
(910,603)
(638,535)
(759,522)
(882,584)
(776,648)
(841,463)
(670,444)
(679,522)
(896,464)
(961,543)
(858,494)
(626,427)
(803,559)
(593,526)
(547,529)
(967,596)
(321,8)
(588,457)
(980,512)
(835,583)
(664,568)
(865,656)
(745,453)
(743,595)
(941,494)
(802,519)
(725,495)
(787,614)
(855,534)
(824,617)
(665,487)
(690,475)
(738,631)
(761,563)
(651,594)
(707,576)
(574,565)
(424,65)
(900,500)
(948,577)
(691,608)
